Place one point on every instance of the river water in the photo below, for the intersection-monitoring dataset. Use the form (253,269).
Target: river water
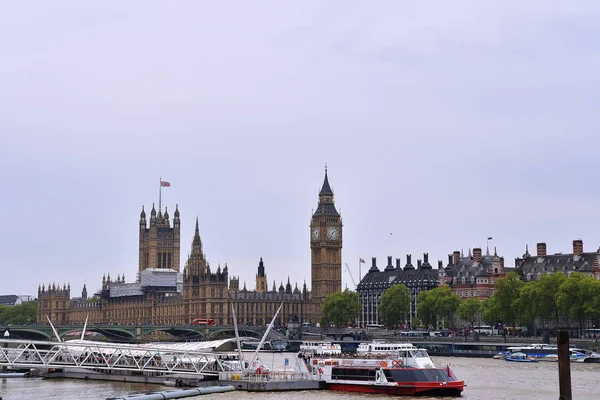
(485,378)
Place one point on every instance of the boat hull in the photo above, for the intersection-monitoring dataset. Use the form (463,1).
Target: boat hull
(453,389)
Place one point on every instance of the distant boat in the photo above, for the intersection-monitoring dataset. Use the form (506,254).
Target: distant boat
(399,369)
(269,345)
(519,356)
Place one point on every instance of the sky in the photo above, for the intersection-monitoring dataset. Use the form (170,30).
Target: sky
(441,123)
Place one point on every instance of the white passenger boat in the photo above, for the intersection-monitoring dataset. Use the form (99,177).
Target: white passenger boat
(548,352)
(384,368)
(320,348)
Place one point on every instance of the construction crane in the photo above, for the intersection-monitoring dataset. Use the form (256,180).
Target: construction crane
(350,273)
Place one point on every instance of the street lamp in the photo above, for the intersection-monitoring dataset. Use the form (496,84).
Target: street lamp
(6,336)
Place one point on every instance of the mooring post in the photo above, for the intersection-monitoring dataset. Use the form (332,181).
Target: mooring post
(564,366)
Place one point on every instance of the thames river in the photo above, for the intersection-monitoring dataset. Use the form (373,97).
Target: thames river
(485,379)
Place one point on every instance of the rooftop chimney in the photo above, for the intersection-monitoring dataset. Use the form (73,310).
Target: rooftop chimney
(374,264)
(398,263)
(389,266)
(409,262)
(477,254)
(541,249)
(449,259)
(456,256)
(418,263)
(440,264)
(577,247)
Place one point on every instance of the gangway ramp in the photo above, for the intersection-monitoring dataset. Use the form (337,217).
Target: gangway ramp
(111,356)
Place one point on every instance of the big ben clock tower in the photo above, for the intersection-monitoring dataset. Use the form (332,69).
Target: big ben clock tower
(326,250)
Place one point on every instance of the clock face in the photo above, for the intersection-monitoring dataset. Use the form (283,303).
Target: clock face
(332,233)
(315,233)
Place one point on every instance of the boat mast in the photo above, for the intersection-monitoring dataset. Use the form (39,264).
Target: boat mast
(84,326)
(53,330)
(237,338)
(266,334)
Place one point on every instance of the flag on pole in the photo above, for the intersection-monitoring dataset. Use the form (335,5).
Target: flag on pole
(489,238)
(165,184)
(362,261)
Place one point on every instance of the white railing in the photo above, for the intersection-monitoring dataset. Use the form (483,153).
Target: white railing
(109,356)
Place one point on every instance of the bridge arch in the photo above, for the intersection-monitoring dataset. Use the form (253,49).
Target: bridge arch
(180,332)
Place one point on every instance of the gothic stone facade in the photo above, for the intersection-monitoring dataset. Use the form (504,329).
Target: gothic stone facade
(326,250)
(162,295)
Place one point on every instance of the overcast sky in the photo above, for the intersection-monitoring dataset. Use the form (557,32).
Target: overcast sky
(441,122)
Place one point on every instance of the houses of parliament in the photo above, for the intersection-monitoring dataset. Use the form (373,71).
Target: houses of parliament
(162,294)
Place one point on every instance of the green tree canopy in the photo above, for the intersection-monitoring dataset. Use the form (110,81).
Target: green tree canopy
(394,306)
(426,308)
(470,310)
(506,294)
(576,297)
(490,311)
(546,292)
(437,303)
(22,314)
(340,308)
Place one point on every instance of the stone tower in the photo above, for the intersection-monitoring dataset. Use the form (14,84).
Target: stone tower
(261,278)
(159,242)
(326,250)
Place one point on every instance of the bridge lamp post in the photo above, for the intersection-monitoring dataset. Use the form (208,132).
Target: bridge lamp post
(6,336)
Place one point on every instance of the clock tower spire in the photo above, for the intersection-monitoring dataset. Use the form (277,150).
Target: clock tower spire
(326,250)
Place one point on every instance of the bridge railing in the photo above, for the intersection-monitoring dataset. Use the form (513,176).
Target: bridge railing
(98,356)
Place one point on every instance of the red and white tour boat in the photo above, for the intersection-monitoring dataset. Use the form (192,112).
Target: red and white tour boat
(384,368)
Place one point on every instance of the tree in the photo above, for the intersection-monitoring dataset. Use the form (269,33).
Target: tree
(546,292)
(469,310)
(506,296)
(394,306)
(435,303)
(527,304)
(340,308)
(22,314)
(490,311)
(576,297)
(425,308)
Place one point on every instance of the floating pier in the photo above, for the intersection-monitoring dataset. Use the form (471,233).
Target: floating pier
(177,394)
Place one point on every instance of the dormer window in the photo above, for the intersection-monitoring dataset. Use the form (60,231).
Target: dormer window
(463,280)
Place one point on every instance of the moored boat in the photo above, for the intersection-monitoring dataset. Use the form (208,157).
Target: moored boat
(519,356)
(320,348)
(548,352)
(389,368)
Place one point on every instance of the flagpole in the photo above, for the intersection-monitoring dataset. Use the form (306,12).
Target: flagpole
(359,279)
(159,193)
(359,271)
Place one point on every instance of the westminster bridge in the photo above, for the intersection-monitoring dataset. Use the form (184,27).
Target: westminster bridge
(130,333)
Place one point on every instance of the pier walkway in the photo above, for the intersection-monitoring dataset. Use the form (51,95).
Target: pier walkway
(110,356)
